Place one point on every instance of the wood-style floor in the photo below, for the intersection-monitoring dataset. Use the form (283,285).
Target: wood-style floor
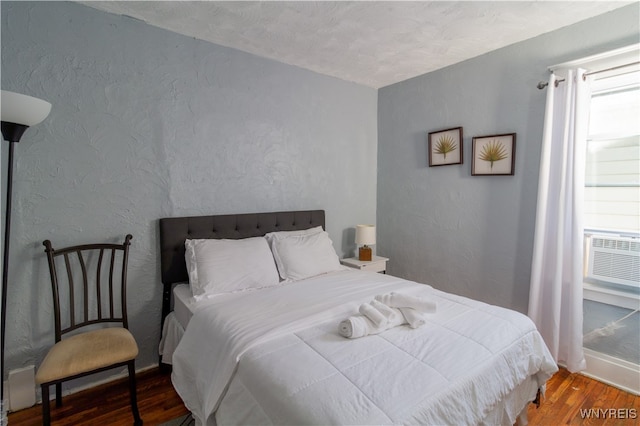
(567,394)
(108,404)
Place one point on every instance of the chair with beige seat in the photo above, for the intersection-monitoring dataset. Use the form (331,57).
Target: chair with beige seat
(94,301)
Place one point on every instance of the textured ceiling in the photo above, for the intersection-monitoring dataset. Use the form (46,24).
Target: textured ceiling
(370,43)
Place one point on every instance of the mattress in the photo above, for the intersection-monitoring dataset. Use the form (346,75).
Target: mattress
(471,363)
(183,304)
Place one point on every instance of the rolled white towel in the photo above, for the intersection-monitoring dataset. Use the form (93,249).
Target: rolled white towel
(356,326)
(394,316)
(359,326)
(362,325)
(345,328)
(413,317)
(399,300)
(373,314)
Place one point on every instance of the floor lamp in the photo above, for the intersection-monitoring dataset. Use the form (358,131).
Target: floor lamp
(18,113)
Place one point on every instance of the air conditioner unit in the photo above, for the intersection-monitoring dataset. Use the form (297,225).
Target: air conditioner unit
(614,260)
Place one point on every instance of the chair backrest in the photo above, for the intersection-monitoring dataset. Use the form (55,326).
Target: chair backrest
(89,285)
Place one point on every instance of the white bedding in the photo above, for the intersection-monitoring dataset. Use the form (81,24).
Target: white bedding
(274,356)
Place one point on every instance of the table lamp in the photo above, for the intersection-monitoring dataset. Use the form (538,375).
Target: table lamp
(365,236)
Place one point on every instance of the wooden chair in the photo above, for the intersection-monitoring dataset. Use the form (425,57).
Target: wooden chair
(93,302)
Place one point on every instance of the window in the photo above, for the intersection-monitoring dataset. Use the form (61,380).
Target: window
(612,184)
(612,227)
(612,193)
(611,302)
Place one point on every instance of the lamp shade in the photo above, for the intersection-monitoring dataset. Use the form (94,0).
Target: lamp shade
(365,234)
(22,109)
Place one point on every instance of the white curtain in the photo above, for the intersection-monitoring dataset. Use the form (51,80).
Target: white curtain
(555,297)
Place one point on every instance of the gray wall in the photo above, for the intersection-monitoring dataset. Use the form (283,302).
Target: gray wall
(473,235)
(146,124)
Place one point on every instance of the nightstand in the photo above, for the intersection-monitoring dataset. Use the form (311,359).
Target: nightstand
(377,264)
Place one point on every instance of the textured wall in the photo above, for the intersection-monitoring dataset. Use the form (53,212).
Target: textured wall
(473,235)
(146,124)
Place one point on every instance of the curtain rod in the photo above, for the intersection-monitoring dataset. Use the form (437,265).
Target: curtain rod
(544,84)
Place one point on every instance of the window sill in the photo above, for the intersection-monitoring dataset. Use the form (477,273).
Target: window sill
(611,296)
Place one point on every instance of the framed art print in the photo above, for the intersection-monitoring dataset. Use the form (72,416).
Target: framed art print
(493,155)
(445,147)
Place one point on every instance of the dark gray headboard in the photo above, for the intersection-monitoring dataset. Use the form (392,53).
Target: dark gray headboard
(175,230)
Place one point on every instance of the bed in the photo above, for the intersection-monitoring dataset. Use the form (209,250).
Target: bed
(273,353)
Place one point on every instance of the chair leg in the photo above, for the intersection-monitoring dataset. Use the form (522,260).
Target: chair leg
(58,395)
(137,421)
(46,414)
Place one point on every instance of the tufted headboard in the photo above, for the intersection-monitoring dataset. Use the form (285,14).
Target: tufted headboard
(175,230)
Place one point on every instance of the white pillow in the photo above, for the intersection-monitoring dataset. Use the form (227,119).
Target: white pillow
(278,235)
(225,266)
(304,256)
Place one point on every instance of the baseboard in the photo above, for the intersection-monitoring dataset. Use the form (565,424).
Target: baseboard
(109,379)
(612,371)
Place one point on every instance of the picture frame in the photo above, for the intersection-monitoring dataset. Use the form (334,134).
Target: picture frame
(493,155)
(445,147)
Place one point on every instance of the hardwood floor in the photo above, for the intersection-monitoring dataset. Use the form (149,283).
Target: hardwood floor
(567,394)
(108,404)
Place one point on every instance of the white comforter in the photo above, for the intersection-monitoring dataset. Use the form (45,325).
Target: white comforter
(278,351)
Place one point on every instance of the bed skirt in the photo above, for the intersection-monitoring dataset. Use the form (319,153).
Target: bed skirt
(172,332)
